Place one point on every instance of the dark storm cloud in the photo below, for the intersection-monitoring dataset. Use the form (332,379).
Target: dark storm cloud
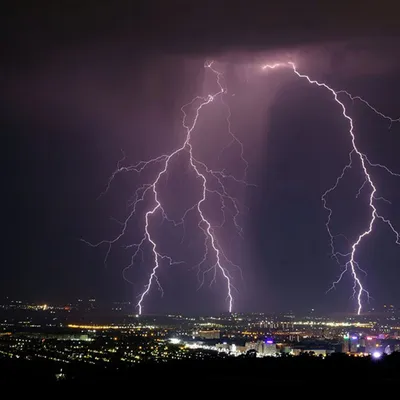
(330,37)
(354,58)
(55,44)
(192,27)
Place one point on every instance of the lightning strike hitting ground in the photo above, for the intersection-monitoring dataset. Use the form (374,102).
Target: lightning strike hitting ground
(351,263)
(205,175)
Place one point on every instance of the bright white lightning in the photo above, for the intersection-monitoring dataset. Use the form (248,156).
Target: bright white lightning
(205,175)
(358,289)
(391,120)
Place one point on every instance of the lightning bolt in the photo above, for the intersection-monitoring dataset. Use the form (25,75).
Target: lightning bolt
(351,264)
(212,182)
(365,102)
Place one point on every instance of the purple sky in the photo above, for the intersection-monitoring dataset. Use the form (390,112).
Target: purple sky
(79,91)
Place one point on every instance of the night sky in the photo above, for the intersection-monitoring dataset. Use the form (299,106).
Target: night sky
(83,82)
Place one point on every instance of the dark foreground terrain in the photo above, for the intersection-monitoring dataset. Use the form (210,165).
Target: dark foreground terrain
(336,374)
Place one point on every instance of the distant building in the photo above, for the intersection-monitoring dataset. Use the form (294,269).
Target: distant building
(346,344)
(241,349)
(371,344)
(263,348)
(266,348)
(54,336)
(354,345)
(214,334)
(316,352)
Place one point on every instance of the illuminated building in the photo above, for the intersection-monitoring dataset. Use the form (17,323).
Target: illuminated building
(263,348)
(354,345)
(346,344)
(250,346)
(316,352)
(214,334)
(371,344)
